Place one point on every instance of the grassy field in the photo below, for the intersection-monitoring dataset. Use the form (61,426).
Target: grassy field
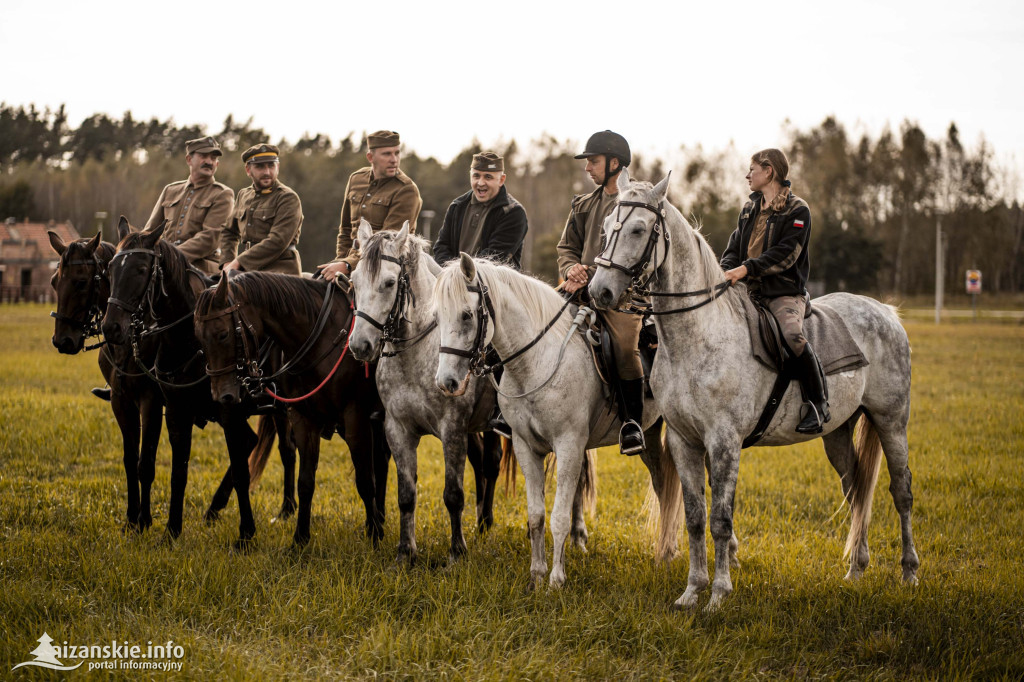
(341,609)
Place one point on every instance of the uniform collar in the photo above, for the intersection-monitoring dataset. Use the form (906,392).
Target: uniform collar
(265,191)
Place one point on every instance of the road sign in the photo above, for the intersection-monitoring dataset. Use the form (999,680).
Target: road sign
(974,281)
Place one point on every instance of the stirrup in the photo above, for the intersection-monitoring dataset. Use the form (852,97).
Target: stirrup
(631,438)
(500,426)
(815,427)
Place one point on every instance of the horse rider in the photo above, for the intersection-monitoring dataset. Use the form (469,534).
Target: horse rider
(486,221)
(263,233)
(196,209)
(381,193)
(768,251)
(606,153)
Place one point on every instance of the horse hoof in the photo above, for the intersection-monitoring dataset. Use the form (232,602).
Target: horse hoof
(300,540)
(131,528)
(910,578)
(405,558)
(853,576)
(211,516)
(283,515)
(169,536)
(244,545)
(687,602)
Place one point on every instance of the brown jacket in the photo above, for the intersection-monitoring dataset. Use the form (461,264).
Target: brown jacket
(265,230)
(582,239)
(195,217)
(386,204)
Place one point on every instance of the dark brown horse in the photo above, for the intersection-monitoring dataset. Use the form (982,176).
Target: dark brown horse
(326,389)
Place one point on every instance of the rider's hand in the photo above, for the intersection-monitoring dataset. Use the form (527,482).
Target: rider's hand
(736,274)
(233,265)
(572,286)
(330,270)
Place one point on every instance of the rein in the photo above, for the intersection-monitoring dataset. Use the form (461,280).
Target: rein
(637,269)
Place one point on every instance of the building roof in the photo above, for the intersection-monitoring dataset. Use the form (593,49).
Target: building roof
(36,233)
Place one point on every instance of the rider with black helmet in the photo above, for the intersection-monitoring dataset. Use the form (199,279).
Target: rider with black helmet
(606,153)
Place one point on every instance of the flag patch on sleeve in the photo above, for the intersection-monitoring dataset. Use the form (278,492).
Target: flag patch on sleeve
(798,223)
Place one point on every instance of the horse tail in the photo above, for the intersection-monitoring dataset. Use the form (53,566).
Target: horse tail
(507,466)
(865,475)
(664,508)
(261,453)
(588,482)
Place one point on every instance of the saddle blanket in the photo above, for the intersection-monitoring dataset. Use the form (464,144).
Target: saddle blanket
(826,332)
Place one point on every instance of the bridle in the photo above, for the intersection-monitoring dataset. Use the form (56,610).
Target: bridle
(91,327)
(399,308)
(658,233)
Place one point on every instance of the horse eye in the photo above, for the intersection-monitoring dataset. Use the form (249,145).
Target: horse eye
(638,231)
(466,315)
(388,284)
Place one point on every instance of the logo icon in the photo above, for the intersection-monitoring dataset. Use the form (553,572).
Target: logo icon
(46,656)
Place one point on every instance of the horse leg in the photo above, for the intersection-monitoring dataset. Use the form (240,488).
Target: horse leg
(570,453)
(532,464)
(237,434)
(583,499)
(454,445)
(491,461)
(358,435)
(151,409)
(725,464)
(307,438)
(286,448)
(179,432)
(222,495)
(843,458)
(381,456)
(128,423)
(475,453)
(690,469)
(404,443)
(892,433)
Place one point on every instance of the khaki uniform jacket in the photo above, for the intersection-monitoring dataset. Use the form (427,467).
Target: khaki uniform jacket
(386,204)
(195,218)
(576,245)
(264,231)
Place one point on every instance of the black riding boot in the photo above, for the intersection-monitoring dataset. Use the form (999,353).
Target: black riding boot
(631,435)
(815,391)
(102,393)
(498,423)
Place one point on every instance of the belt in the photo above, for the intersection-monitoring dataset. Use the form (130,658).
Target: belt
(248,245)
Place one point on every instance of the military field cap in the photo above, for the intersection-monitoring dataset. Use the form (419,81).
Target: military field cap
(607,143)
(260,153)
(382,138)
(203,145)
(488,161)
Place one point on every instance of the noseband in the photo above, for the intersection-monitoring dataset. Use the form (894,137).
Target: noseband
(91,326)
(478,352)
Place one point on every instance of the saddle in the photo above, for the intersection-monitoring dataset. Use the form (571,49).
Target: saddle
(827,334)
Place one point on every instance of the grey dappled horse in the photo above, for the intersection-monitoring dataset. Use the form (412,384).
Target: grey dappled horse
(711,390)
(394,289)
(553,402)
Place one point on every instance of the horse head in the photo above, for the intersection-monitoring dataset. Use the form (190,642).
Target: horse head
(81,286)
(218,327)
(462,308)
(635,238)
(382,287)
(133,271)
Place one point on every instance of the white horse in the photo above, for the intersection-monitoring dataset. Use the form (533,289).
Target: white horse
(550,393)
(394,289)
(711,390)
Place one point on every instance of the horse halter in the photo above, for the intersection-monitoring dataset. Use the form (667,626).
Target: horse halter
(155,274)
(657,232)
(389,327)
(478,352)
(94,317)
(247,362)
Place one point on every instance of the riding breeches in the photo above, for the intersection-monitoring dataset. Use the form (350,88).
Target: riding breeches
(789,311)
(625,332)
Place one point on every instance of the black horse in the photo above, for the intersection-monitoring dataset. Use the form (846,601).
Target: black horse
(327,390)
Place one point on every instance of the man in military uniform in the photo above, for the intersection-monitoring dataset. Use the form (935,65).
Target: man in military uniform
(197,209)
(267,220)
(582,241)
(486,221)
(381,193)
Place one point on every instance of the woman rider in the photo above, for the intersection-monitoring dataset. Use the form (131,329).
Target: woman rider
(768,251)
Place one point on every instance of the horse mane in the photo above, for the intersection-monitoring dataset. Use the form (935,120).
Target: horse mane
(173,262)
(279,295)
(535,296)
(371,254)
(77,250)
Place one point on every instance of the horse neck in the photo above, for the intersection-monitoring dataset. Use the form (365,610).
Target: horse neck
(514,328)
(290,329)
(421,286)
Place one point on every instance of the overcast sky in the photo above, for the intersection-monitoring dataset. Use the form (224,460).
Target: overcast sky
(663,74)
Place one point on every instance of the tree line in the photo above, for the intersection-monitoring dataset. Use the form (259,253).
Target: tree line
(875,200)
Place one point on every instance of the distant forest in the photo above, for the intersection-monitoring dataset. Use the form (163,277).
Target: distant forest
(875,201)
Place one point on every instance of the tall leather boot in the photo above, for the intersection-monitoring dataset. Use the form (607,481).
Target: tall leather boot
(815,392)
(497,421)
(631,435)
(102,393)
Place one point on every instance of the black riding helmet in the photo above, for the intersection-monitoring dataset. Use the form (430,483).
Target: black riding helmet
(610,145)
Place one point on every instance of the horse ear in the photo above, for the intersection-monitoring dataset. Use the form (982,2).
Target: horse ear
(123,228)
(661,189)
(467,266)
(56,242)
(149,239)
(94,243)
(623,180)
(220,296)
(403,235)
(364,232)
